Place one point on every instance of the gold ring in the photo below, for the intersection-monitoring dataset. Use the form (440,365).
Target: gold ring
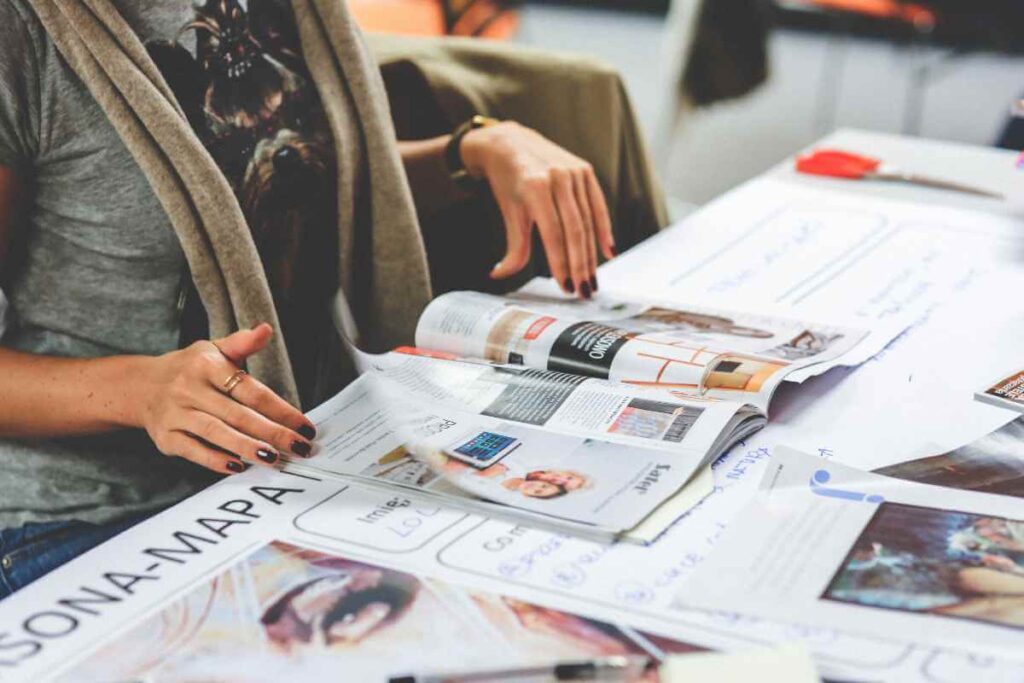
(233,381)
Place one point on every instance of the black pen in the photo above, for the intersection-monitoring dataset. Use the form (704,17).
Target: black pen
(600,669)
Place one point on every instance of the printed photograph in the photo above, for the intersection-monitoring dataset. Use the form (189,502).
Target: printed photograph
(737,372)
(667,319)
(992,464)
(511,333)
(805,345)
(942,563)
(287,613)
(400,467)
(535,483)
(658,420)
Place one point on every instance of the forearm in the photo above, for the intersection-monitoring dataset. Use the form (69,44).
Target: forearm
(45,396)
(432,186)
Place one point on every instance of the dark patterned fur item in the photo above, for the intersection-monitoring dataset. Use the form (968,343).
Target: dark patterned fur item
(249,97)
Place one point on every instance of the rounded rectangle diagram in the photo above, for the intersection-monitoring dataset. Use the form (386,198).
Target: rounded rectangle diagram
(379,520)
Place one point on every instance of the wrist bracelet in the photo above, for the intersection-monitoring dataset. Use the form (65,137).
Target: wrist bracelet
(457,170)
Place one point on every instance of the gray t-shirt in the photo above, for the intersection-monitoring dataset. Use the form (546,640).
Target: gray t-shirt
(100,272)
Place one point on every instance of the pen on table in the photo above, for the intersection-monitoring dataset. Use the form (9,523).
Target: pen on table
(601,669)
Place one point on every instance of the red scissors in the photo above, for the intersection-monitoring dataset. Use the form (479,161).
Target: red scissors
(836,163)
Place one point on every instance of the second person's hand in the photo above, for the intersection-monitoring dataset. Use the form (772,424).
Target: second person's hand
(537,183)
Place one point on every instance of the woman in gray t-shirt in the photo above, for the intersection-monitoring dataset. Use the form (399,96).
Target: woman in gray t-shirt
(101,376)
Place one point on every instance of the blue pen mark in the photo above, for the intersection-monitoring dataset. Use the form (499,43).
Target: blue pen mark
(822,477)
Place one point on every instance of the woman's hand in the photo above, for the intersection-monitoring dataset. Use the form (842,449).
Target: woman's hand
(537,183)
(183,406)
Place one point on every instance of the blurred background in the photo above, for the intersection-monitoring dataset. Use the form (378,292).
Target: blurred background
(727,88)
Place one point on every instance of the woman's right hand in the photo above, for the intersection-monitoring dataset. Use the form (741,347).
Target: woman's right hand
(182,405)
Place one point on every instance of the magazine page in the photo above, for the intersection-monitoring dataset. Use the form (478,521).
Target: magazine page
(1007,393)
(848,549)
(562,447)
(684,351)
(992,464)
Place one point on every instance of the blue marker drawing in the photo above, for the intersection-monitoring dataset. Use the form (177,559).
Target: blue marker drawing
(822,477)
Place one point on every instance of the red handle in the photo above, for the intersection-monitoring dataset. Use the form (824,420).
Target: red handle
(837,164)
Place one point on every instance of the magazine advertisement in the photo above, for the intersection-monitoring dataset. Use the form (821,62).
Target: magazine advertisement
(684,351)
(848,549)
(505,440)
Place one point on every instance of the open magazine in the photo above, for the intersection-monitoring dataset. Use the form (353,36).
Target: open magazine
(588,417)
(686,351)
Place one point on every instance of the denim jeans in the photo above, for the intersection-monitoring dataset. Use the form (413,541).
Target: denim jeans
(33,550)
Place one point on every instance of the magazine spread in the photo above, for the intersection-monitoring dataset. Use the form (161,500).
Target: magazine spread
(588,416)
(682,350)
(848,549)
(587,455)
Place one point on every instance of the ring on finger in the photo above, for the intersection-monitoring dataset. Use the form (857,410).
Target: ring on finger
(233,381)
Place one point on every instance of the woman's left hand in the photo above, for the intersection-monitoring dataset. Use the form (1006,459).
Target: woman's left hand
(537,183)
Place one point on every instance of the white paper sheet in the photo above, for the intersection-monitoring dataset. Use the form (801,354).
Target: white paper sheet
(943,272)
(841,548)
(778,243)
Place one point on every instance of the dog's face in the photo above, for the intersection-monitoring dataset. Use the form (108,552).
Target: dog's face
(245,85)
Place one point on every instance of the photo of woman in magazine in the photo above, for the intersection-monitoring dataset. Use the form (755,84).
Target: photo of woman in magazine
(547,483)
(291,613)
(940,562)
(538,484)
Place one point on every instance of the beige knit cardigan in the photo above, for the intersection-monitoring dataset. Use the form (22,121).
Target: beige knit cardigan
(103,50)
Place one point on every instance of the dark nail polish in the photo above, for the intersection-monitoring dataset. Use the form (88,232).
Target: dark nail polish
(569,286)
(236,466)
(266,456)
(301,448)
(308,431)
(615,252)
(585,290)
(593,283)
